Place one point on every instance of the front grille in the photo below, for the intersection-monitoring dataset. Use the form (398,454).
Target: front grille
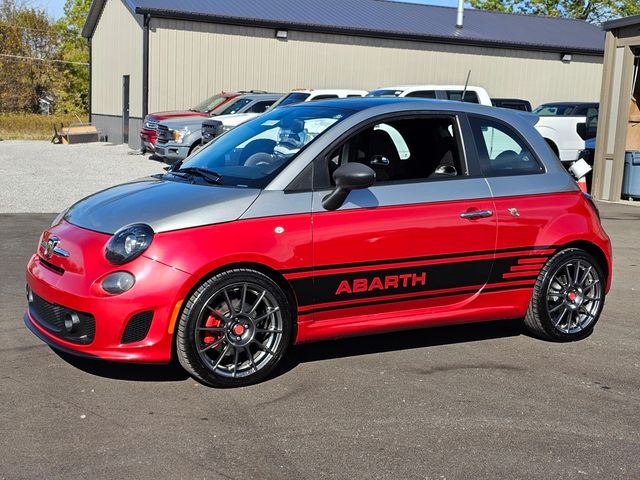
(210,130)
(80,326)
(137,327)
(51,266)
(164,134)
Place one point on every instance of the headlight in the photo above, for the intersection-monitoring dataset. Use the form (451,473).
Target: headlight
(128,243)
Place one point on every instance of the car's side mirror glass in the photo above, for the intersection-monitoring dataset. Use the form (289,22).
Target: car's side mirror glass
(352,176)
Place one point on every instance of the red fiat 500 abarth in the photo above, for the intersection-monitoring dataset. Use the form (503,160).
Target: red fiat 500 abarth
(324,220)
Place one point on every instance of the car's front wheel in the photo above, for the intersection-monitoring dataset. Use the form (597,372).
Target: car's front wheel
(567,298)
(234,329)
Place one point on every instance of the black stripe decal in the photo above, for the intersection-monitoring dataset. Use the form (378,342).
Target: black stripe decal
(398,280)
(414,259)
(418,297)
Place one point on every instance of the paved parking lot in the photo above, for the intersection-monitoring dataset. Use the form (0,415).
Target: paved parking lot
(480,401)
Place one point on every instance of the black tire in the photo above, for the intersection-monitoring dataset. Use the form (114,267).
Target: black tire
(195,147)
(568,297)
(223,344)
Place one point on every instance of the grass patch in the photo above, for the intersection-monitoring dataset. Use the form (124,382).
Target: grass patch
(31,126)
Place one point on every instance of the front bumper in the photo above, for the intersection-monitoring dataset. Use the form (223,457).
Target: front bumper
(148,138)
(157,290)
(172,152)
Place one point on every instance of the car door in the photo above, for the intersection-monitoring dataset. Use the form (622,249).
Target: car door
(417,239)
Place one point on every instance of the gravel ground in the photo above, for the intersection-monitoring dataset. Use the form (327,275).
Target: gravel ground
(30,169)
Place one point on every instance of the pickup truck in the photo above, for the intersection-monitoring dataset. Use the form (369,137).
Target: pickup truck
(178,137)
(562,125)
(212,128)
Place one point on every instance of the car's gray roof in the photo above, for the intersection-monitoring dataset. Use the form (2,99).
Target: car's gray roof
(381,18)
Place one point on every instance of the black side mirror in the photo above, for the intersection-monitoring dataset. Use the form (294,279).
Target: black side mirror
(352,176)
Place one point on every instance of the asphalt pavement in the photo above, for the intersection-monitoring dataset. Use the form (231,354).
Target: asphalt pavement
(466,402)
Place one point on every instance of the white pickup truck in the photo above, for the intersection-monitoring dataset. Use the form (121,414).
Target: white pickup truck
(559,124)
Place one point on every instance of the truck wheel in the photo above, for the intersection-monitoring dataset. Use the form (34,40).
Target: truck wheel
(235,328)
(194,148)
(568,297)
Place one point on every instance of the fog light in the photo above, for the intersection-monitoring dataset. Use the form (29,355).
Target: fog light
(118,282)
(71,322)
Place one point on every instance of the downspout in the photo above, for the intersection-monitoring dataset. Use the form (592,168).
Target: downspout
(145,66)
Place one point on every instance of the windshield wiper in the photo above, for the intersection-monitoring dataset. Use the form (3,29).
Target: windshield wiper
(208,175)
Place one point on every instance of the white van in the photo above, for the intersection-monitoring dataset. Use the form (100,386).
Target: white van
(437,92)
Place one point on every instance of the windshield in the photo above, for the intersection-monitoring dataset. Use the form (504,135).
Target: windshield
(384,93)
(252,154)
(209,104)
(232,106)
(554,110)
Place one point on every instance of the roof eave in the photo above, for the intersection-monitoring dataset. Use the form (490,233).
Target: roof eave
(621,22)
(360,32)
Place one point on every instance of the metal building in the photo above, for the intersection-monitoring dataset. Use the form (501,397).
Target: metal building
(153,55)
(619,116)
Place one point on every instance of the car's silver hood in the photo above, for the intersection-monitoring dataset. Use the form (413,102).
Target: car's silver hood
(182,122)
(162,204)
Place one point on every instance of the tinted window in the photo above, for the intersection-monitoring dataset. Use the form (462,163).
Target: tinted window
(260,107)
(554,110)
(323,97)
(422,94)
(500,149)
(233,107)
(253,153)
(292,98)
(384,93)
(403,150)
(469,96)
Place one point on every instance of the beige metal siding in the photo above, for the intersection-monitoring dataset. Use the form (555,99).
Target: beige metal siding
(192,60)
(116,51)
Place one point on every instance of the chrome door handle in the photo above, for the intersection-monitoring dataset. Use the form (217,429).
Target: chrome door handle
(476,214)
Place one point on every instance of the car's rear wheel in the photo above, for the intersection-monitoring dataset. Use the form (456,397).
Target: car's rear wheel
(567,298)
(234,329)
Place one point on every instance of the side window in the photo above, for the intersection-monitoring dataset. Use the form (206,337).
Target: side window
(500,149)
(469,96)
(235,107)
(403,150)
(353,95)
(323,97)
(422,94)
(260,107)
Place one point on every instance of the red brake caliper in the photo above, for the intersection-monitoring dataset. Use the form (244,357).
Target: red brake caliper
(208,336)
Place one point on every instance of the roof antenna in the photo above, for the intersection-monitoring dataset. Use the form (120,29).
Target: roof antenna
(459,19)
(466,84)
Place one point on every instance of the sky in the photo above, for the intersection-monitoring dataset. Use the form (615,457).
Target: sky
(55,7)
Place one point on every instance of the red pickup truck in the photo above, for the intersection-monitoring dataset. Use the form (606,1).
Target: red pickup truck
(148,132)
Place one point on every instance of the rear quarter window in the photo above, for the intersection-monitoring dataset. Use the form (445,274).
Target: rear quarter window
(501,151)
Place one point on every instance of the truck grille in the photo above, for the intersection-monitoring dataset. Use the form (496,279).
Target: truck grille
(164,134)
(210,130)
(65,323)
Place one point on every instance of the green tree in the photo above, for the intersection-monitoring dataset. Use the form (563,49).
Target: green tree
(591,10)
(73,92)
(27,44)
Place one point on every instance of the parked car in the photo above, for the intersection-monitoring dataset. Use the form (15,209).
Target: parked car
(205,108)
(561,123)
(512,104)
(178,137)
(273,235)
(439,92)
(223,123)
(588,154)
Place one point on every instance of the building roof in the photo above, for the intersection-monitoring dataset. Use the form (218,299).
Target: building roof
(621,22)
(381,19)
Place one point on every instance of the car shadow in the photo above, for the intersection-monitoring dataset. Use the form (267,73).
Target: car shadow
(136,372)
(314,352)
(396,341)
